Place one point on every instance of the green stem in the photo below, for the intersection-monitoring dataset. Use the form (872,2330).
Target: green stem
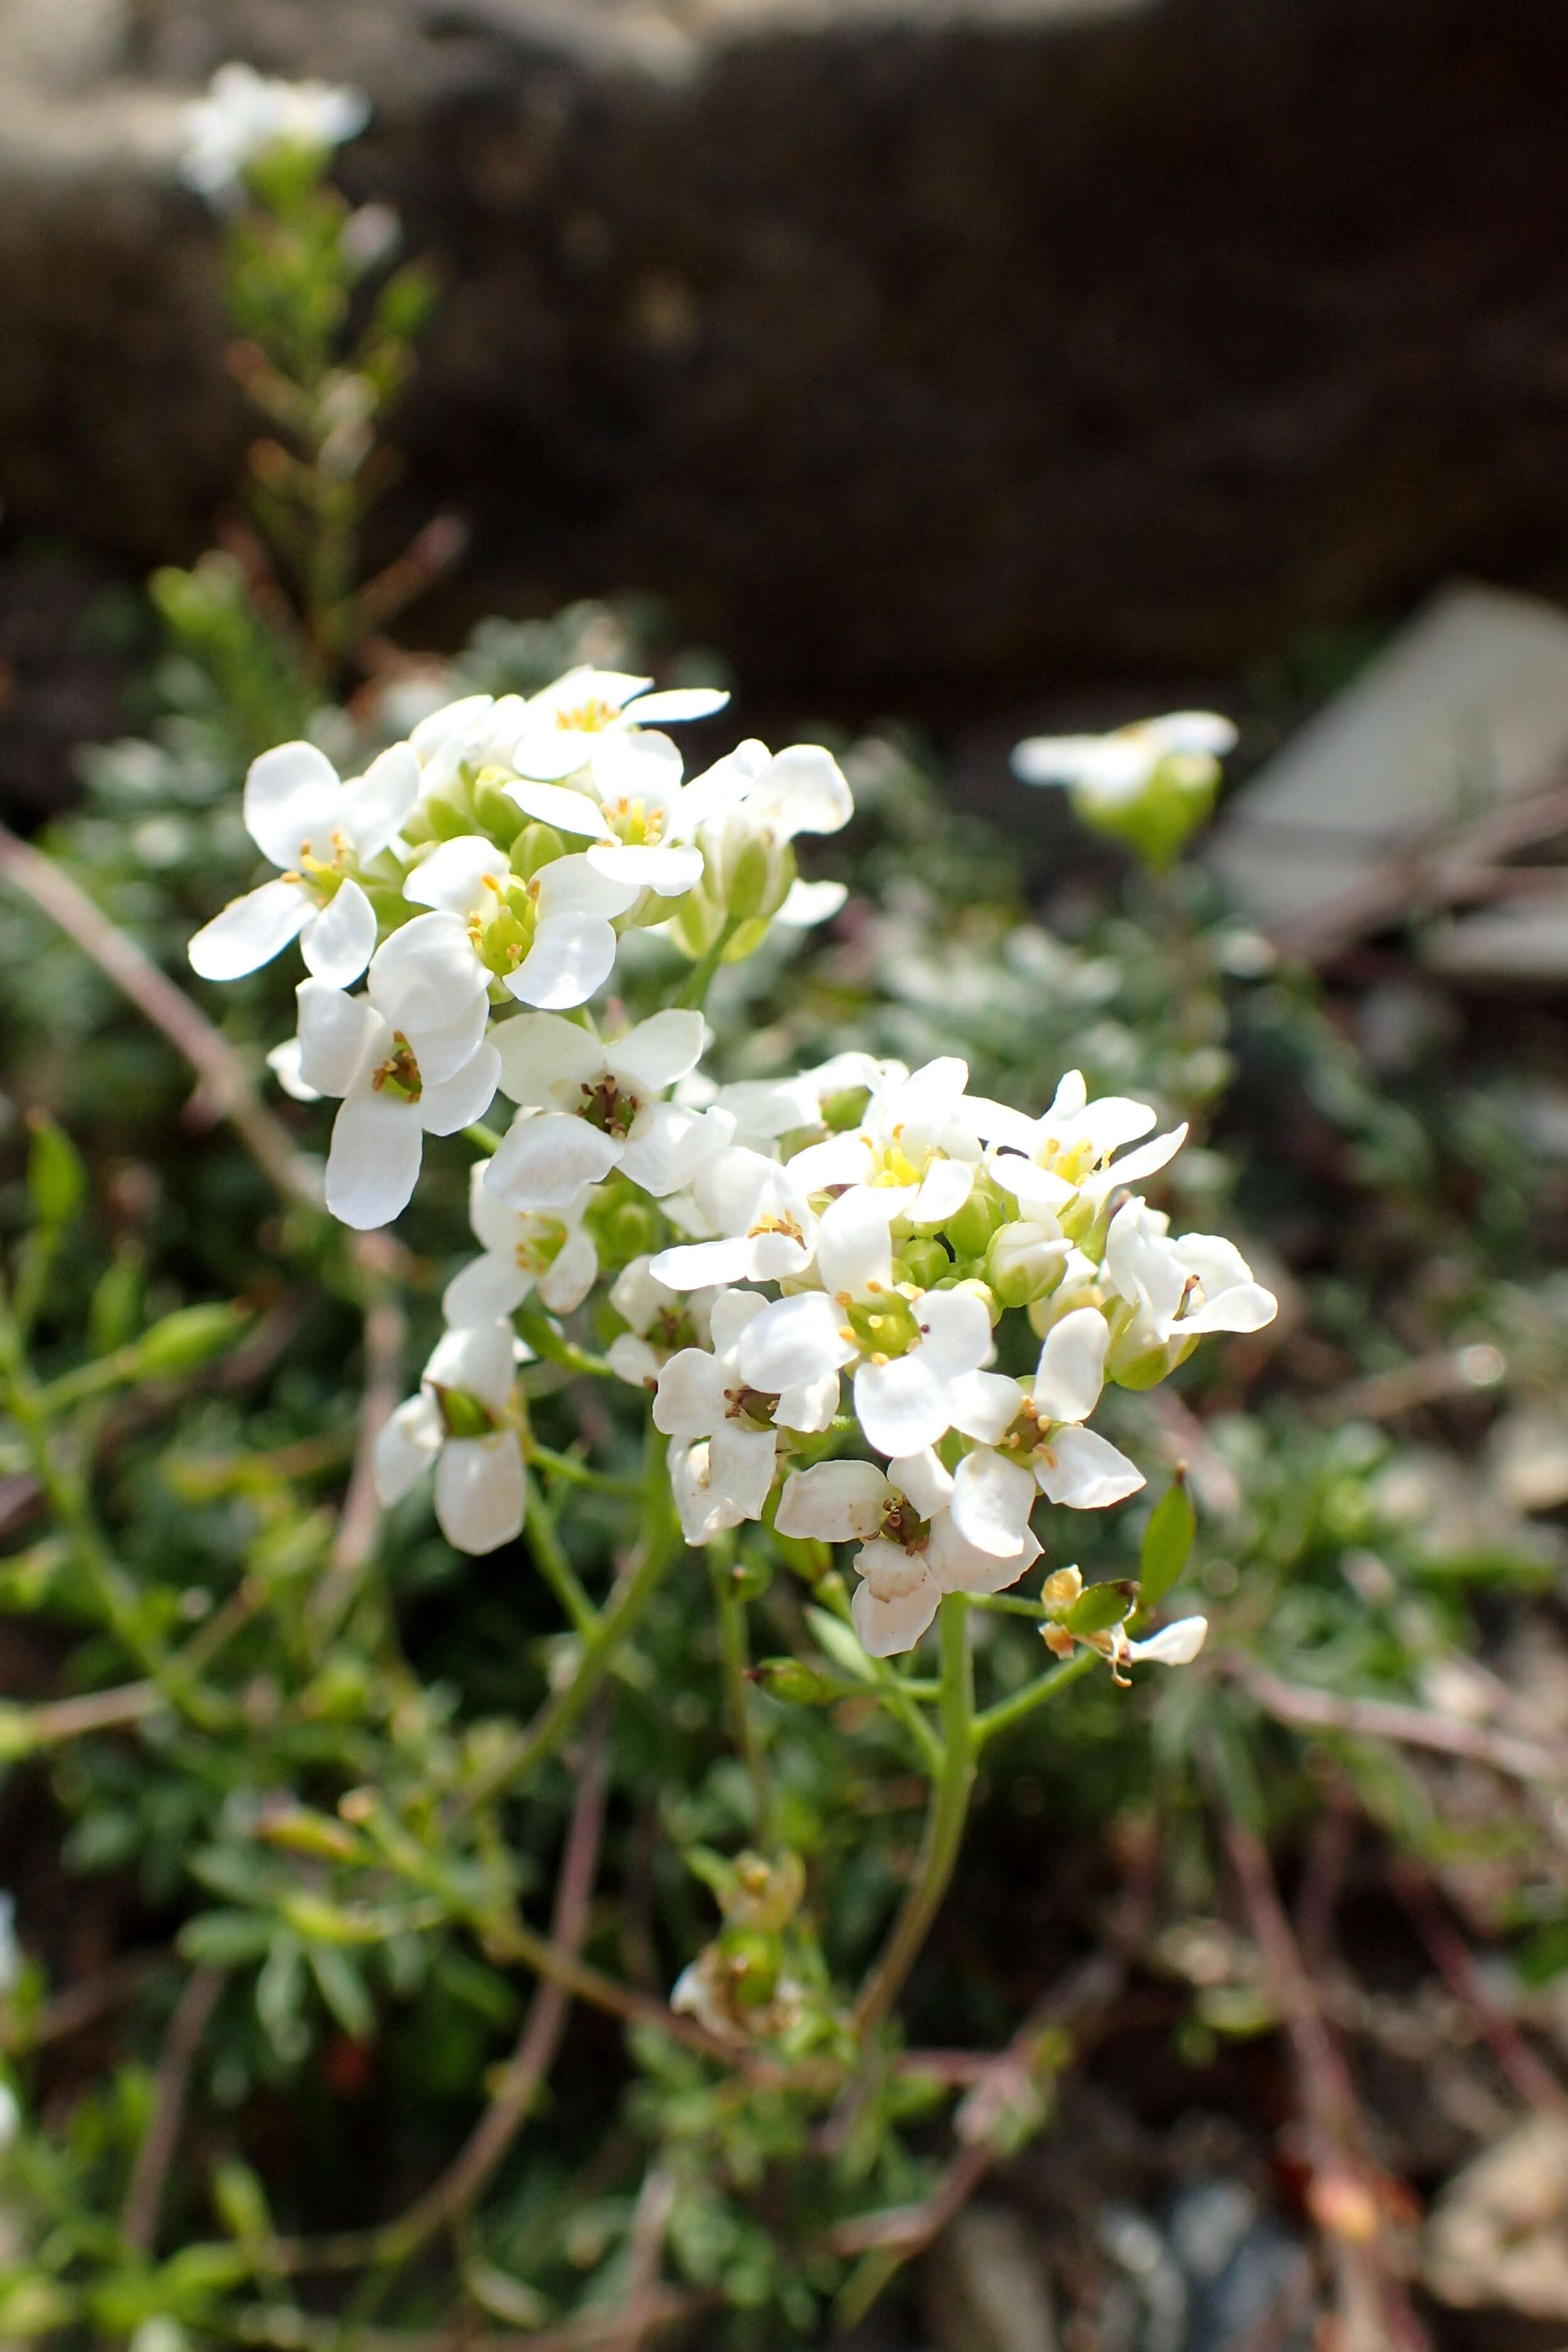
(559,1718)
(694,995)
(484,1139)
(550,1558)
(1009,1711)
(542,1336)
(581,1474)
(944,1821)
(1007,1604)
(735,1656)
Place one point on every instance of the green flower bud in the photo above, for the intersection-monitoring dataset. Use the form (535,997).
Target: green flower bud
(499,815)
(187,1337)
(57,1181)
(534,846)
(1024,1264)
(845,1110)
(798,1685)
(751,1963)
(969,1229)
(921,1261)
(747,879)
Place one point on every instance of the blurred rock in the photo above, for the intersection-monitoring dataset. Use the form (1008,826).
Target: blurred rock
(1499,2233)
(986,2289)
(915,350)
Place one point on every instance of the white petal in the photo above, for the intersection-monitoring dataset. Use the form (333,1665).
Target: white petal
(570,959)
(438,726)
(454,1103)
(567,1284)
(487,1287)
(284,1064)
(839,1159)
(802,791)
(668,706)
(374,805)
(796,1339)
(957,1332)
(1193,730)
(948,1184)
(540,1054)
(1072,1366)
(478,1491)
(835,1502)
(545,1159)
(338,1036)
(690,1401)
(1037,1191)
(669,871)
(341,942)
(991,1499)
(655,1053)
(809,1405)
(807,904)
(426,974)
(442,1052)
(405,1447)
(630,766)
(1135,1165)
(741,1466)
(453,876)
(924,1480)
(889,1620)
(958,1566)
(373,1163)
(291,793)
(573,886)
(732,1312)
(902,1406)
(854,1250)
(476,1358)
(250,931)
(1248,1307)
(692,1265)
(701,1512)
(1172,1645)
(496,1227)
(633,1360)
(985,1405)
(558,806)
(665,1146)
(1080,1469)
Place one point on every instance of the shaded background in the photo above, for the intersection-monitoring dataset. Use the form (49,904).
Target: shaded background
(983,362)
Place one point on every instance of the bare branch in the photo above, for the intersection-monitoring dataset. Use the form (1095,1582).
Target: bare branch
(1307,1709)
(139,2221)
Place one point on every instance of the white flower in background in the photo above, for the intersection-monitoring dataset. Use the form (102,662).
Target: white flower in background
(403,1068)
(1047,1162)
(566,724)
(661,1322)
(1177,1289)
(911,1551)
(764,1226)
(244,115)
(1047,1445)
(807,904)
(548,1252)
(764,1110)
(1111,770)
(458,1423)
(918,1354)
(701,1396)
(918,1141)
(549,941)
(304,820)
(586,1108)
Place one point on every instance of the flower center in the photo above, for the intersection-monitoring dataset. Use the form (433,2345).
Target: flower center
(501,928)
(632,821)
(590,718)
(752,1408)
(772,1223)
(882,1326)
(399,1074)
(903,1525)
(604,1106)
(893,1165)
(539,1245)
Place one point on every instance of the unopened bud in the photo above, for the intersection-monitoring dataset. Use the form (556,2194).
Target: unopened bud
(1024,1264)
(969,1228)
(188,1337)
(796,1684)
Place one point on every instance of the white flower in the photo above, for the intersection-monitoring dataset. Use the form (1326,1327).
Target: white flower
(1111,770)
(1045,1163)
(302,819)
(911,1551)
(918,1141)
(764,1109)
(661,1322)
(1046,1445)
(766,1228)
(246,114)
(566,724)
(403,1071)
(524,1251)
(629,806)
(1178,1289)
(474,732)
(549,941)
(918,1353)
(586,1108)
(746,810)
(703,1396)
(1172,1645)
(457,1422)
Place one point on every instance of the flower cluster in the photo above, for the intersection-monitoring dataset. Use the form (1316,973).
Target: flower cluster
(802,1272)
(247,117)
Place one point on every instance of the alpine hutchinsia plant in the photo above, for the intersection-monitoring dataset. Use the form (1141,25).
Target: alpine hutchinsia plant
(826,1259)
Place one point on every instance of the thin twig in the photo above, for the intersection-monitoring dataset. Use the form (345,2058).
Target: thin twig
(1537,2086)
(224,1079)
(644,2251)
(83,2004)
(1308,1709)
(68,1718)
(288,2329)
(139,2221)
(385,1329)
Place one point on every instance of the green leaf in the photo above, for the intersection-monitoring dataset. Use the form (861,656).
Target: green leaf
(188,1337)
(225,1939)
(1167,1543)
(57,1180)
(1101,1606)
(344,1990)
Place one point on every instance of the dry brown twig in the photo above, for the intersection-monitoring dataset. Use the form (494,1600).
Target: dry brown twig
(193,2011)
(1308,1710)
